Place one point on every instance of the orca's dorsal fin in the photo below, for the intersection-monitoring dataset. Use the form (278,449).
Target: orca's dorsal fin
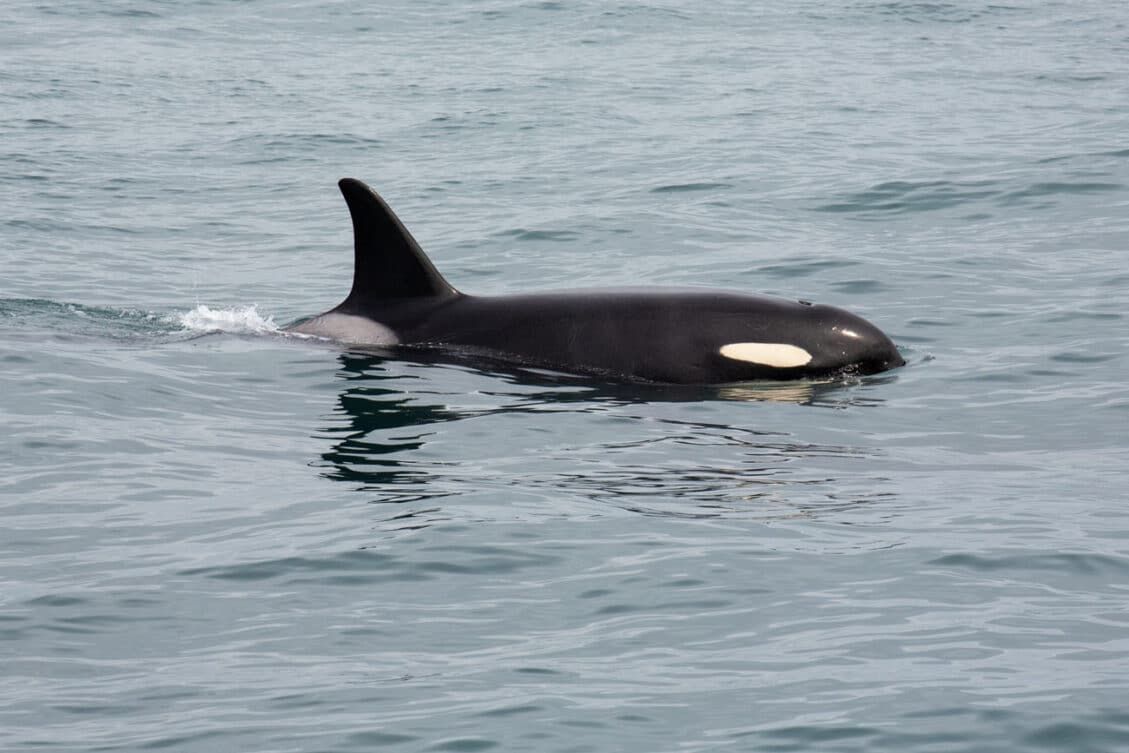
(387,261)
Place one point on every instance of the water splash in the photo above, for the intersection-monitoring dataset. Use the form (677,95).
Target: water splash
(241,320)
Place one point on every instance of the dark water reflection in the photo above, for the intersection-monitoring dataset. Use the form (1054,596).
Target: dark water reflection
(373,403)
(651,461)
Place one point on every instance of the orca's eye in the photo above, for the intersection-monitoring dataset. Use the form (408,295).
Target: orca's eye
(802,302)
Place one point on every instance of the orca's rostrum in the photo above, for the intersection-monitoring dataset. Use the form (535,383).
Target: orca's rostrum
(675,336)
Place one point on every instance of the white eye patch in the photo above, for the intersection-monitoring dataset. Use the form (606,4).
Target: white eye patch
(776,355)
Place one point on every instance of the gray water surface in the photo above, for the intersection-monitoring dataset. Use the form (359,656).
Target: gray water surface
(219,538)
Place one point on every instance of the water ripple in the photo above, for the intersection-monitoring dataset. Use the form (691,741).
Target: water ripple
(902,197)
(217,538)
(1063,563)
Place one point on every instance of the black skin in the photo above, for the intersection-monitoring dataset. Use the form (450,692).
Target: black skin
(646,335)
(671,337)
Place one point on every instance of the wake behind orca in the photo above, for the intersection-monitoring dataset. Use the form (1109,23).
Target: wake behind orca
(670,336)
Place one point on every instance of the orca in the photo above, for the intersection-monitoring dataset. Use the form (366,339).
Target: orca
(399,301)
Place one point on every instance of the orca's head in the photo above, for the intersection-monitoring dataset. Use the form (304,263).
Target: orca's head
(842,342)
(810,340)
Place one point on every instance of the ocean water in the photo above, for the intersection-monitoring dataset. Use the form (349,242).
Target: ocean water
(218,538)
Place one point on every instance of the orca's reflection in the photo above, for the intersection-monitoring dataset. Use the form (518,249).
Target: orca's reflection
(389,407)
(373,404)
(561,387)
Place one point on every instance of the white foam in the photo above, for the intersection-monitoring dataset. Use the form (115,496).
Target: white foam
(242,320)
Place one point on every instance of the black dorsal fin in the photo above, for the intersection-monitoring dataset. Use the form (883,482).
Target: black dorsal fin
(387,261)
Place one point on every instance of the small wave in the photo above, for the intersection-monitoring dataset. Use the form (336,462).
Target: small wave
(1081,563)
(903,197)
(522,234)
(913,196)
(681,187)
(934,12)
(367,567)
(32,314)
(1058,187)
(242,320)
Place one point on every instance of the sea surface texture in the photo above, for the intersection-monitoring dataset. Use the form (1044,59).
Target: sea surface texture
(217,537)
